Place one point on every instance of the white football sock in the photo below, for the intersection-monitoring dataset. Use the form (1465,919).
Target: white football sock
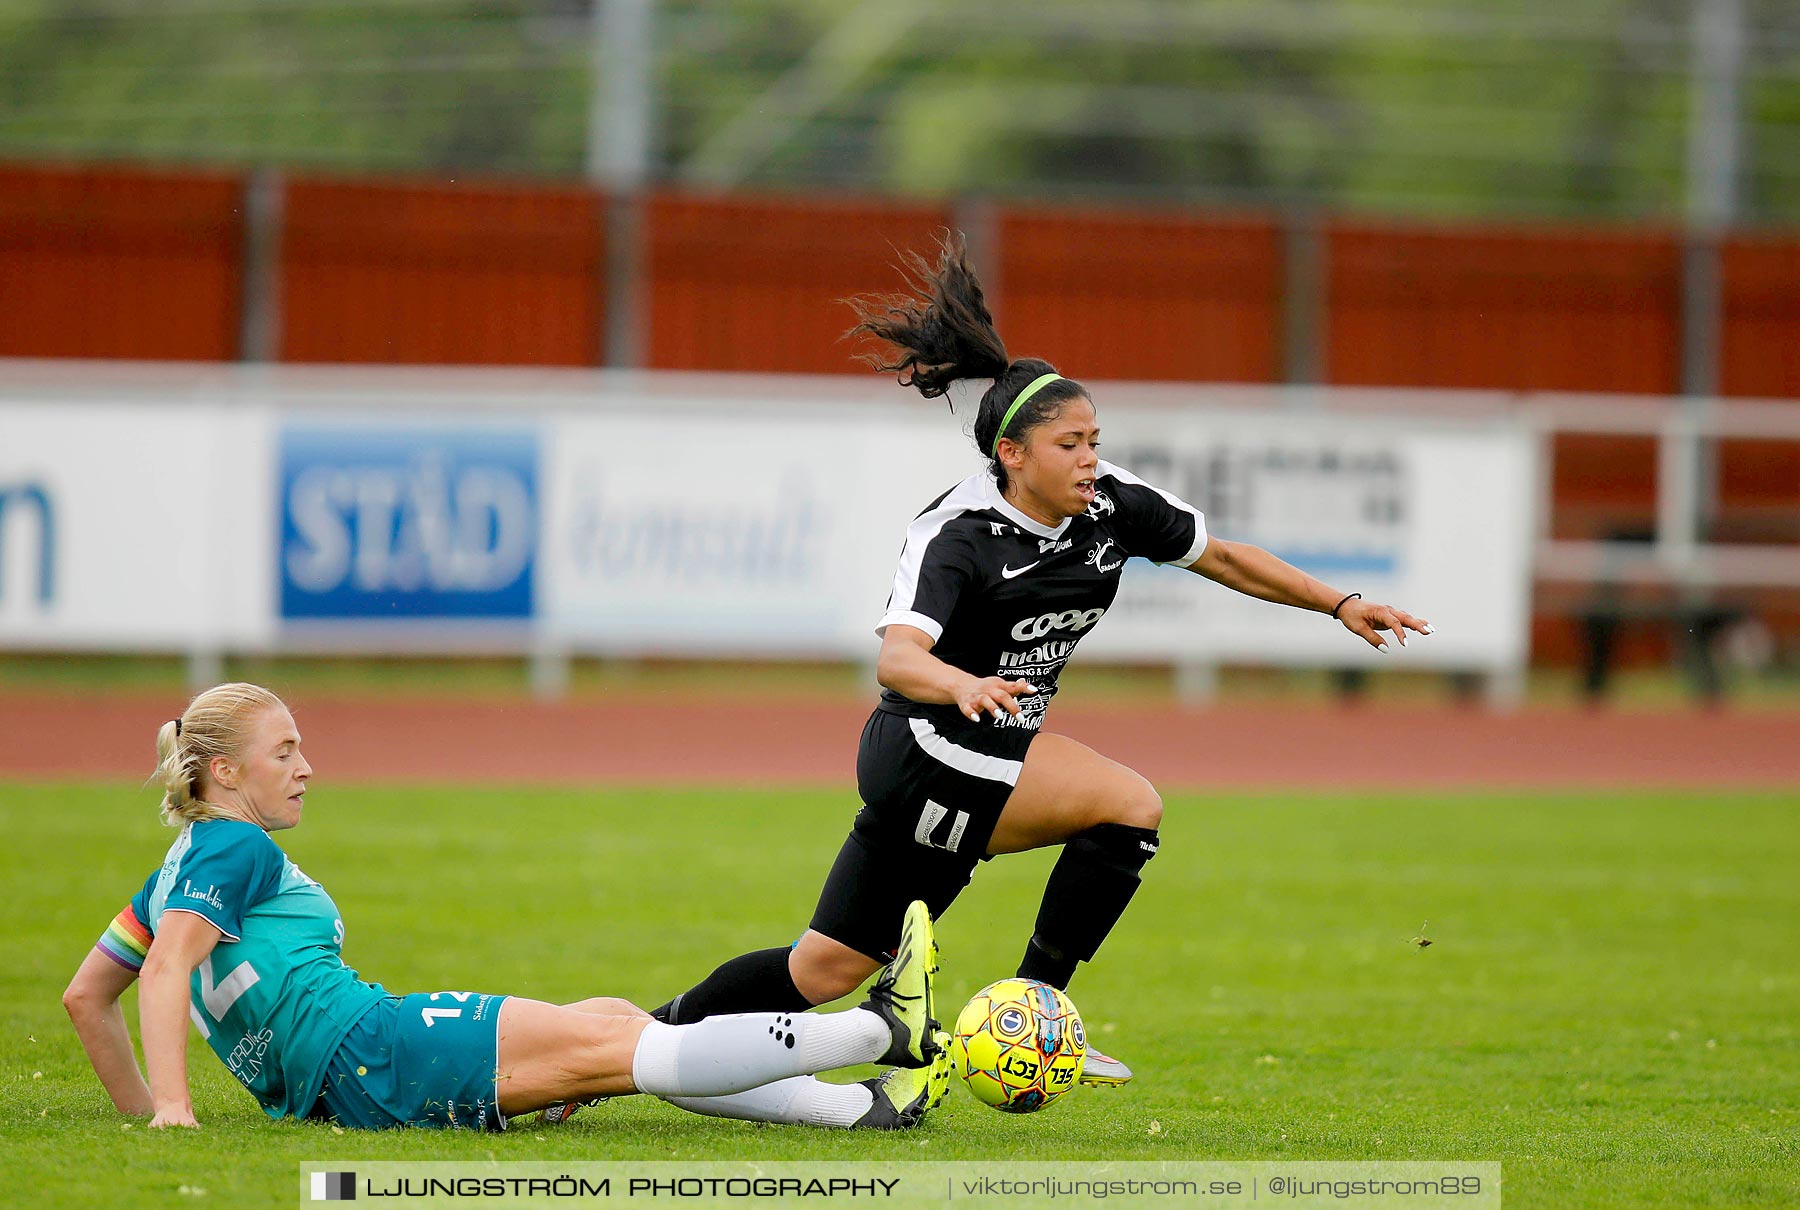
(797,1101)
(736,1053)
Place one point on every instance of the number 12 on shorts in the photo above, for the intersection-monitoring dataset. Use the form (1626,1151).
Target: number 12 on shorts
(431,1015)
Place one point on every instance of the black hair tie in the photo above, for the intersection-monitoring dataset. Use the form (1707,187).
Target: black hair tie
(177,728)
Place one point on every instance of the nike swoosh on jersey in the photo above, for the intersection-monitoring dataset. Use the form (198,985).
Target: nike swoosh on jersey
(1007,573)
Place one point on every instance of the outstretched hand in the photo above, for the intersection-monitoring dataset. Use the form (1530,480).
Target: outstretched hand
(1367,619)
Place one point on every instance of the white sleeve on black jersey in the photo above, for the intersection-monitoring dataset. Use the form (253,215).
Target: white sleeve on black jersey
(1159,525)
(935,566)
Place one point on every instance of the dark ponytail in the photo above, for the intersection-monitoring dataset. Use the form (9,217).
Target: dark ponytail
(940,331)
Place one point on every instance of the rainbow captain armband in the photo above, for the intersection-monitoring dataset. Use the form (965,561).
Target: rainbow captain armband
(126,940)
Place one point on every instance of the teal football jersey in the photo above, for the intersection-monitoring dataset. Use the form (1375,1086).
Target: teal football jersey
(274,998)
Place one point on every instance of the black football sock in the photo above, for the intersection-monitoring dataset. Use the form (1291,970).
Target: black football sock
(757,982)
(1046,965)
(1089,888)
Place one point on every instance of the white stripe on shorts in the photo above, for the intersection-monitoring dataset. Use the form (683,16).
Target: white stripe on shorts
(975,764)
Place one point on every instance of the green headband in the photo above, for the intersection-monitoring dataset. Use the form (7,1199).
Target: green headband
(1037,384)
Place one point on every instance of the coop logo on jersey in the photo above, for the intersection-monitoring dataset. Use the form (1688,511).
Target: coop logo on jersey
(1102,505)
(1077,620)
(408,522)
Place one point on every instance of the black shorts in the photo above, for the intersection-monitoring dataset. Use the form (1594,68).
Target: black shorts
(929,809)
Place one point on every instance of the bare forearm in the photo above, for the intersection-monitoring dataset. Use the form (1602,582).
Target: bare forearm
(908,668)
(162,1011)
(920,676)
(104,1037)
(1255,572)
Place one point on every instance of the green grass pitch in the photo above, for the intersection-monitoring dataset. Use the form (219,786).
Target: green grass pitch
(1611,1006)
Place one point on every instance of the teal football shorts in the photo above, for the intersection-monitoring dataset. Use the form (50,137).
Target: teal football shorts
(428,1059)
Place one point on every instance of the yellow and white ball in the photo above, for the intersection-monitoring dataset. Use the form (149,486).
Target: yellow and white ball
(1019,1044)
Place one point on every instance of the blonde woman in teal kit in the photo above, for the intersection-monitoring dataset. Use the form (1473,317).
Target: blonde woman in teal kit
(230,935)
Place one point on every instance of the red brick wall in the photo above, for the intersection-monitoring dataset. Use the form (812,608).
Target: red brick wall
(1148,296)
(1527,309)
(423,272)
(119,263)
(1760,346)
(746,283)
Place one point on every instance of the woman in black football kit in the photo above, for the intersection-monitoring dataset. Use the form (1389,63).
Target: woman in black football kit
(999,579)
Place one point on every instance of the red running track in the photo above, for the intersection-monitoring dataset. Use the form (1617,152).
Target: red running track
(784,742)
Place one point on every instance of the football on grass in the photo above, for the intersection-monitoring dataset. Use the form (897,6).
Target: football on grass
(1018,1045)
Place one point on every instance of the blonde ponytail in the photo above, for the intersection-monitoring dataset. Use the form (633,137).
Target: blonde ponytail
(216,723)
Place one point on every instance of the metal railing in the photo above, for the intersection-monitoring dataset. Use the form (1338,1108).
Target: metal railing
(1685,431)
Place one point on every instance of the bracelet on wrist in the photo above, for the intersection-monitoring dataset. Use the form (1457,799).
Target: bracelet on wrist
(1355,596)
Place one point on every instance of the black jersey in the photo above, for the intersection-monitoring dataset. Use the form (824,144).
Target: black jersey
(1003,595)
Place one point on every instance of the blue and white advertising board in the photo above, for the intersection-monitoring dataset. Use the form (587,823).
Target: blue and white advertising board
(719,516)
(407,523)
(694,529)
(1433,516)
(122,526)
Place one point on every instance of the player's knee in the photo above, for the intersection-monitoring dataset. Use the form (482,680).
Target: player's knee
(604,1047)
(609,1006)
(823,974)
(1139,806)
(823,982)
